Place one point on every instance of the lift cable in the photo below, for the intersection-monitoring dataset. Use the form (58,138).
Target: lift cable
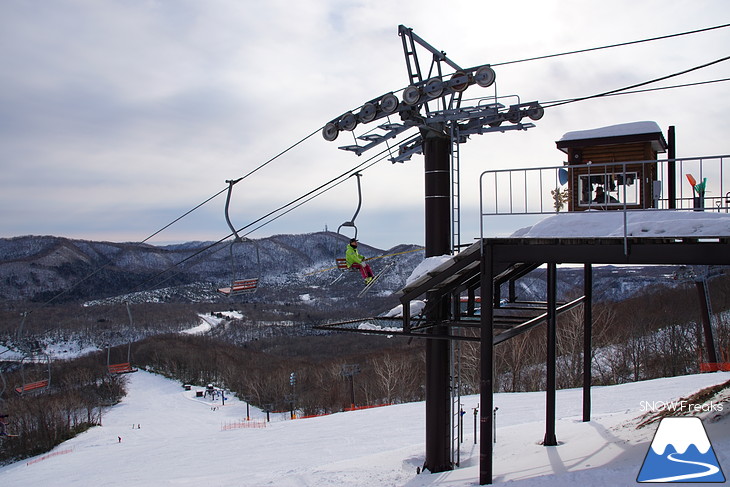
(288,207)
(579,51)
(643,83)
(257,168)
(275,214)
(647,90)
(208,200)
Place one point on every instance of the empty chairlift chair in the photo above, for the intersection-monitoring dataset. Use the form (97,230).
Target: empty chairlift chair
(35,366)
(238,284)
(35,373)
(122,367)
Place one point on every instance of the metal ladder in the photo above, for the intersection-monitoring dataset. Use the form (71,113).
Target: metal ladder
(455,195)
(455,386)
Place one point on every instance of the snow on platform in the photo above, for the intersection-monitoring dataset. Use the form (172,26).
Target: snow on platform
(642,223)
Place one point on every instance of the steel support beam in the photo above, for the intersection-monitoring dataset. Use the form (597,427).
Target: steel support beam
(550,387)
(611,251)
(587,338)
(486,368)
(671,169)
(706,320)
(437,160)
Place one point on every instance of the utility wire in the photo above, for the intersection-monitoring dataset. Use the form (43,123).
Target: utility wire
(669,36)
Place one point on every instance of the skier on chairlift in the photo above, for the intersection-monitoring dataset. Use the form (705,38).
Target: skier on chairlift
(355,259)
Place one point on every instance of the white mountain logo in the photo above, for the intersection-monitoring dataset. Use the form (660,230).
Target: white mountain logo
(681,452)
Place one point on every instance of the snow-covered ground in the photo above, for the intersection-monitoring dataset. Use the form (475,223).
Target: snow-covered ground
(181,440)
(208,322)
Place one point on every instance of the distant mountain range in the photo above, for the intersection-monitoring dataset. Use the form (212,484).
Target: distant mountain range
(39,268)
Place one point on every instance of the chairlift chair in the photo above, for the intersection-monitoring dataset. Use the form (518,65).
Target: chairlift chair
(238,285)
(351,223)
(344,270)
(34,379)
(122,367)
(341,262)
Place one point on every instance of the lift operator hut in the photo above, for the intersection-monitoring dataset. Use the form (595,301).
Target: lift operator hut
(617,161)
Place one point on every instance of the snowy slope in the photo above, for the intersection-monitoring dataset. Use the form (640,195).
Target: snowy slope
(181,442)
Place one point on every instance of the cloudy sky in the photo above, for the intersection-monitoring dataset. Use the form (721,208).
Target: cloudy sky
(117,117)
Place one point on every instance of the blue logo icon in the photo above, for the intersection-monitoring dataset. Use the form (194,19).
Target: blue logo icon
(681,452)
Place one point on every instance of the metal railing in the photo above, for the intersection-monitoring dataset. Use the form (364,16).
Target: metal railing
(629,187)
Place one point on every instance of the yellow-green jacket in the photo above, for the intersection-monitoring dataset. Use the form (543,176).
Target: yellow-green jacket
(353,256)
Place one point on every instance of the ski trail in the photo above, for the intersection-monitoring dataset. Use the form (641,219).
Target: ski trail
(711,469)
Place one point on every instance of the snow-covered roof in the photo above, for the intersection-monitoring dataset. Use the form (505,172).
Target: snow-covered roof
(620,130)
(633,131)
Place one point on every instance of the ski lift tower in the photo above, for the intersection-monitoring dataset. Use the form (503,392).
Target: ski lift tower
(432,103)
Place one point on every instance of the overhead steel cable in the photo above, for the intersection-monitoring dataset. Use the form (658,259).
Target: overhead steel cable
(621,44)
(168,225)
(257,168)
(643,83)
(647,90)
(290,206)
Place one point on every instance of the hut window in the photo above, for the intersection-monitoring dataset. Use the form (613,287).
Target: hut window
(593,187)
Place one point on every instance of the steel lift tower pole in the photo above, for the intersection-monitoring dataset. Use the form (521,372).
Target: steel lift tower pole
(437,158)
(433,104)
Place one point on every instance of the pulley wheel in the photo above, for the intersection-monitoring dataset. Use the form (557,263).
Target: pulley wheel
(389,103)
(434,87)
(514,115)
(485,76)
(367,113)
(411,95)
(348,121)
(330,132)
(460,86)
(535,112)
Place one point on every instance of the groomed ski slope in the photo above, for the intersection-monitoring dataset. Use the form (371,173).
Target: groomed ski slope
(180,442)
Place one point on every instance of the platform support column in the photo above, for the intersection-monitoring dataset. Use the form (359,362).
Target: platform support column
(486,366)
(550,387)
(587,338)
(706,320)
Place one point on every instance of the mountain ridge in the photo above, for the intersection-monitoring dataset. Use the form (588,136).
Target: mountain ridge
(40,268)
(34,267)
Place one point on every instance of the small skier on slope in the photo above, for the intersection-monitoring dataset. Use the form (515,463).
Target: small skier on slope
(355,259)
